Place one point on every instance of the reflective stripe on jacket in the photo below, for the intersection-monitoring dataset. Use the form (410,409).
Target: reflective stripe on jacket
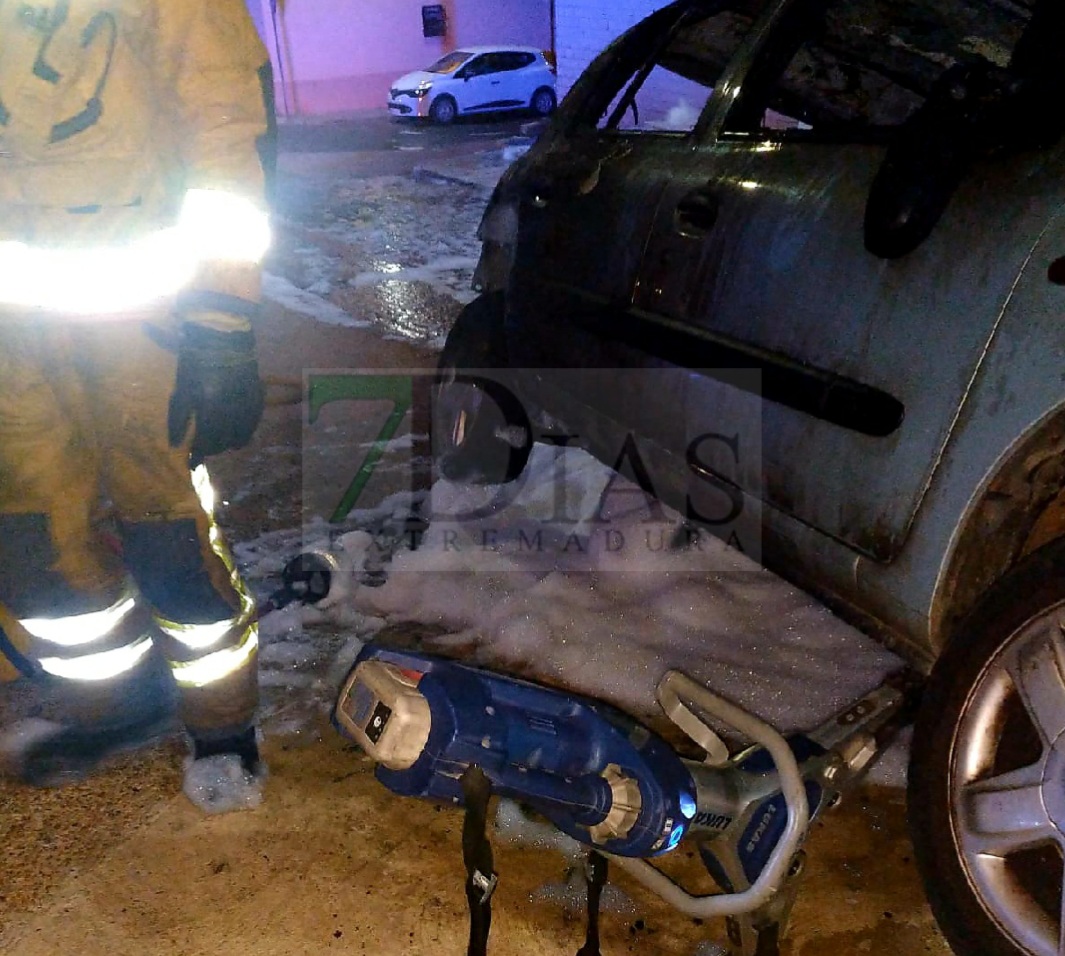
(112,113)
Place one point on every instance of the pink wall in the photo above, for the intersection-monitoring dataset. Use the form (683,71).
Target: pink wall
(339,55)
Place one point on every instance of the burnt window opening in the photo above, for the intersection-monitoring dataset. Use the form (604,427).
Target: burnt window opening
(663,76)
(856,69)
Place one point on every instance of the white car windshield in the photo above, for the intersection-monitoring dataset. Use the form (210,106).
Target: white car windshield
(449,63)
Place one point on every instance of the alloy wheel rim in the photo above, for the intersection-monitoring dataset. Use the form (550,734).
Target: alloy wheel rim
(1008,786)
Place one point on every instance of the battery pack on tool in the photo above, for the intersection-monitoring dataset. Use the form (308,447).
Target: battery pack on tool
(595,773)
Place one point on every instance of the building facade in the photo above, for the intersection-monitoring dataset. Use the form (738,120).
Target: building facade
(333,56)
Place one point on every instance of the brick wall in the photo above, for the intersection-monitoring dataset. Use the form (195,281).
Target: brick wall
(584,27)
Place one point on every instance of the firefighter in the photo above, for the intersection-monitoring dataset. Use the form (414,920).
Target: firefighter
(132,225)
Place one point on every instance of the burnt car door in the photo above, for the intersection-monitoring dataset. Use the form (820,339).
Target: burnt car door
(588,197)
(866,343)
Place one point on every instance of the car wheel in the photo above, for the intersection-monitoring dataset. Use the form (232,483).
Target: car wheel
(481,434)
(987,773)
(543,101)
(444,110)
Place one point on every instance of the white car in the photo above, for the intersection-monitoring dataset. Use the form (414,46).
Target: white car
(478,79)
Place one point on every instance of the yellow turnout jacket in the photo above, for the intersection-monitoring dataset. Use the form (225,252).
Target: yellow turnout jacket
(110,112)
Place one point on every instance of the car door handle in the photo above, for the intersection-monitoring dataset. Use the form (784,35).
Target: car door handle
(696,213)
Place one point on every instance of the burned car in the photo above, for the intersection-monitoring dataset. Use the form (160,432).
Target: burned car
(847,217)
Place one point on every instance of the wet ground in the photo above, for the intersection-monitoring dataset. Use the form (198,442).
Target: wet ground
(375,248)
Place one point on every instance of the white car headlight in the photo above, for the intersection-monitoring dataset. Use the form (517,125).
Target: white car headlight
(423,88)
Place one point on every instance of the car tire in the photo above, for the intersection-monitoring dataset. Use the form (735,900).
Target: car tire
(481,434)
(986,791)
(543,101)
(443,111)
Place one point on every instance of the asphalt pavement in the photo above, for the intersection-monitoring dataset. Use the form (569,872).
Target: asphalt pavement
(378,131)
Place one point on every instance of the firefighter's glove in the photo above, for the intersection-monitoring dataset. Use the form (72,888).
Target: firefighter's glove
(217,391)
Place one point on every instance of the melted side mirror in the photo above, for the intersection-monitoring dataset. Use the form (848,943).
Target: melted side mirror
(910,193)
(966,116)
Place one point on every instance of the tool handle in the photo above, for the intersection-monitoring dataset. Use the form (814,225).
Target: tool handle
(679,694)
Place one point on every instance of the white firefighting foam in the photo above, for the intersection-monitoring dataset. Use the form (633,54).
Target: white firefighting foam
(606,614)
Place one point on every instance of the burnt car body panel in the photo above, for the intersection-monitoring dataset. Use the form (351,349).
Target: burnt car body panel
(897,390)
(787,248)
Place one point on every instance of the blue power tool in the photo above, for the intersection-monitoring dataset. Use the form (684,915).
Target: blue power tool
(612,784)
(425,720)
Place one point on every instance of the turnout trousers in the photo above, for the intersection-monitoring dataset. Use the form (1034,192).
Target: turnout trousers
(83,448)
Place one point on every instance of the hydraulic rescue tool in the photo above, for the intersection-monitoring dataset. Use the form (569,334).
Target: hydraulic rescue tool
(447,731)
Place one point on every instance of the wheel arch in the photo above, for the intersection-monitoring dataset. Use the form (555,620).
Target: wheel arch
(544,89)
(1018,510)
(431,111)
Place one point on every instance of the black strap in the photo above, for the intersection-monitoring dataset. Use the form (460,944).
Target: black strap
(748,930)
(596,871)
(18,660)
(481,877)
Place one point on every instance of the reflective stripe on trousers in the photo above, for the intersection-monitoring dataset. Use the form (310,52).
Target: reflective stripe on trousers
(93,645)
(203,652)
(83,413)
(106,644)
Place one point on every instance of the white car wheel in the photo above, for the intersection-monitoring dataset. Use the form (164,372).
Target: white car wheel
(543,102)
(444,110)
